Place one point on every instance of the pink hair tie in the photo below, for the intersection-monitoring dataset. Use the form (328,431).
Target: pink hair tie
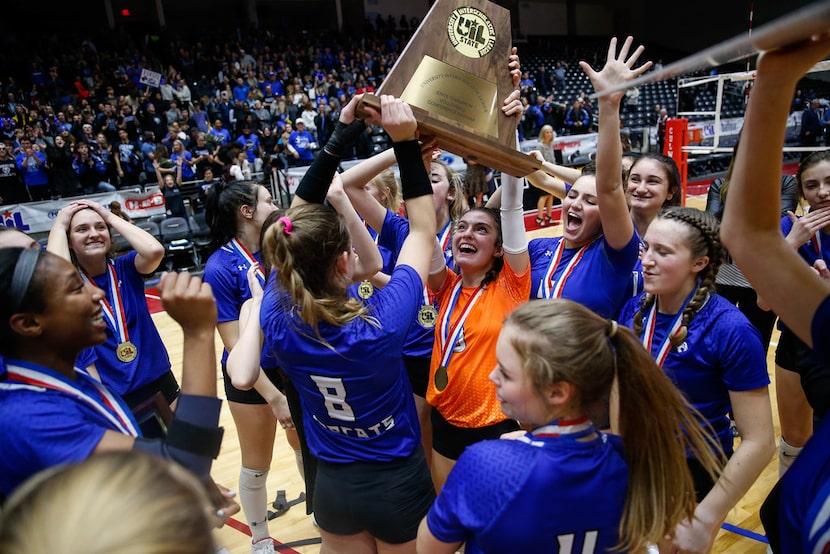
(287,223)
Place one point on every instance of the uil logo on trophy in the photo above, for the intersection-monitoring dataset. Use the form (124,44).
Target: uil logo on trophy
(471,32)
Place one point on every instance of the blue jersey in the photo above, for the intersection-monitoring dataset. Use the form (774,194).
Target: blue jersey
(537,494)
(722,352)
(392,236)
(817,248)
(226,271)
(43,427)
(805,498)
(151,361)
(601,280)
(805,489)
(356,398)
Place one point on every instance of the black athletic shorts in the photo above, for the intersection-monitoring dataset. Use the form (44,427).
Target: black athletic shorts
(417,369)
(386,499)
(250,396)
(450,441)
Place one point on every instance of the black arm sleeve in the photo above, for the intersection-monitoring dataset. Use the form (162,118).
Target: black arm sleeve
(414,179)
(193,437)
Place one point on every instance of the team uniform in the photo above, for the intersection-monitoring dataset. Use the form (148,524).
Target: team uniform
(792,353)
(535,494)
(148,372)
(358,412)
(226,271)
(464,354)
(722,352)
(595,275)
(47,419)
(417,349)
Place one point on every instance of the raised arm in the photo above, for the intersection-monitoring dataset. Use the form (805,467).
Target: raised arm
(369,260)
(159,176)
(617,225)
(751,229)
(401,126)
(58,242)
(354,181)
(150,251)
(194,435)
(553,178)
(315,183)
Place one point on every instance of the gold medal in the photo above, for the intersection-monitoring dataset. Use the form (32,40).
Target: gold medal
(365,290)
(126,351)
(427,315)
(441,378)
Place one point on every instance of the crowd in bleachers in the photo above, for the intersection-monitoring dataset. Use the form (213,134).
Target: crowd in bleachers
(80,120)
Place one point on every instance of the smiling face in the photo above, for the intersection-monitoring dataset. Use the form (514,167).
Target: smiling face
(520,398)
(815,184)
(669,267)
(476,241)
(72,317)
(648,187)
(89,237)
(581,213)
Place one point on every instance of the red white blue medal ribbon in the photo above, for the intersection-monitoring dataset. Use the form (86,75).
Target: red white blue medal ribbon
(549,288)
(577,428)
(107,405)
(444,236)
(245,254)
(114,313)
(449,334)
(651,321)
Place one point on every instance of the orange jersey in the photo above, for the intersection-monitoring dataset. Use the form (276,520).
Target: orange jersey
(469,399)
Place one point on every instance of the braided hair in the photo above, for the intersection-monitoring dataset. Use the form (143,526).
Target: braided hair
(703,239)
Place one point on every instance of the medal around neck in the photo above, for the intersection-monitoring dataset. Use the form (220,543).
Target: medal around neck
(126,352)
(365,290)
(441,378)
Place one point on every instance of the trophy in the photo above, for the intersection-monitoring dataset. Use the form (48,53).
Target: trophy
(454,75)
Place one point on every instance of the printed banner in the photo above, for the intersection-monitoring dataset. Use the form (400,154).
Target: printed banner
(37,217)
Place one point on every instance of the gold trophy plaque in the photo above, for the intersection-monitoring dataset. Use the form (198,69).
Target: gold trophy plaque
(454,75)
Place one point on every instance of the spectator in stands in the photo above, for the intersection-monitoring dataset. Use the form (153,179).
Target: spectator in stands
(173,113)
(240,91)
(179,152)
(262,114)
(31,162)
(90,170)
(240,168)
(661,130)
(325,121)
(301,145)
(153,121)
(222,135)
(170,188)
(559,74)
(251,146)
(62,177)
(199,118)
(12,189)
(127,161)
(577,119)
(811,128)
(115,208)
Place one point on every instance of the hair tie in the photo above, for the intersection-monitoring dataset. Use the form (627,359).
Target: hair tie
(611,329)
(22,277)
(288,225)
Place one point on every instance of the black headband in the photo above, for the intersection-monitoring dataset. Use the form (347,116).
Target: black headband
(23,271)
